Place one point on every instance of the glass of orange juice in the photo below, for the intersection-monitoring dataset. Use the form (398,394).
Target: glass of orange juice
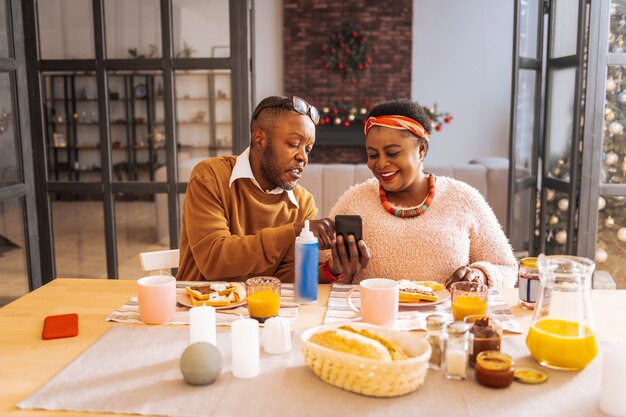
(263,297)
(561,334)
(468,298)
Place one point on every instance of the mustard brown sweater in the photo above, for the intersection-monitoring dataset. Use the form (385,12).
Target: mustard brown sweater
(233,233)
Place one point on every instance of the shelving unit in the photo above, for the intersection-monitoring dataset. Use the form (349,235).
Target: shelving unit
(204,123)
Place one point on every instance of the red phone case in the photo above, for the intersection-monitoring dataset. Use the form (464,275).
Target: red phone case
(56,327)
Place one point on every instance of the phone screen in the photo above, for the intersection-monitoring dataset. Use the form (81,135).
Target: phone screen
(349,225)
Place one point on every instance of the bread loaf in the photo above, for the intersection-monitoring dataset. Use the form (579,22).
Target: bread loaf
(353,343)
(360,342)
(394,349)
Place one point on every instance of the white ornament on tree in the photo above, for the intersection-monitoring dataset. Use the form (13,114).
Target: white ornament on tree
(553,220)
(609,222)
(563,204)
(561,237)
(611,85)
(609,115)
(621,234)
(611,158)
(601,203)
(616,128)
(601,255)
(550,194)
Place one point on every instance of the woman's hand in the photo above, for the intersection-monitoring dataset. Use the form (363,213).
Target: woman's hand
(465,273)
(348,262)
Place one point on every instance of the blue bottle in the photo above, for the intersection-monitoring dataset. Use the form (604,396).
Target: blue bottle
(307,255)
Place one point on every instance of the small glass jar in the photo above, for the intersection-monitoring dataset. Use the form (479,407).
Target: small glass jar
(494,369)
(457,350)
(528,282)
(487,335)
(436,335)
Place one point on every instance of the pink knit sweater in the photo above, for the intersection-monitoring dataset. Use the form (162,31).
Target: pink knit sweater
(459,228)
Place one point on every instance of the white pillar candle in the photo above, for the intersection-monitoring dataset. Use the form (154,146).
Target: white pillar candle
(245,348)
(612,398)
(202,325)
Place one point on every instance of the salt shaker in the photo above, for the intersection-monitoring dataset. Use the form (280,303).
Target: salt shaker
(277,335)
(457,350)
(436,335)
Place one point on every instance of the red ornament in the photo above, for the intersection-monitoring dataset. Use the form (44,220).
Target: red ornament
(347,51)
(448,119)
(368,59)
(346,123)
(355,34)
(360,66)
(335,110)
(327,65)
(341,44)
(340,66)
(438,128)
(323,49)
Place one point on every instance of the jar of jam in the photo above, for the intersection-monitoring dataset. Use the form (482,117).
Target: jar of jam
(487,335)
(494,369)
(528,281)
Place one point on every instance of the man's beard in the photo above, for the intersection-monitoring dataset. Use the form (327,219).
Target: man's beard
(271,171)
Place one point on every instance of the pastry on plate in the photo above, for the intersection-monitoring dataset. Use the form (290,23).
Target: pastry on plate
(216,294)
(415,291)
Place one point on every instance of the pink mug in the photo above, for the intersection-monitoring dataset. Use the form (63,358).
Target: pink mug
(379,301)
(156,296)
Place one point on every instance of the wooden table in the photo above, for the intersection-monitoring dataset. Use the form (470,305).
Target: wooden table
(27,362)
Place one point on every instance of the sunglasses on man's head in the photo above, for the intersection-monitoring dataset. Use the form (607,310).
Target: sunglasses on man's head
(297,103)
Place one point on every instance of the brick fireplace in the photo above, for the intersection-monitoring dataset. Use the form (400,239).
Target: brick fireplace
(308,24)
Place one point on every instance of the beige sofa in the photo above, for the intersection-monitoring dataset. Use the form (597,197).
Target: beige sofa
(327,182)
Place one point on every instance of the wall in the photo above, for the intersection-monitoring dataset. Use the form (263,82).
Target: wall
(268,49)
(461,59)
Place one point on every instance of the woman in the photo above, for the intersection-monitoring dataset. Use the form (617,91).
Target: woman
(417,226)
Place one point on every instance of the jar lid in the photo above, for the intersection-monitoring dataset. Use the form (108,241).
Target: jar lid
(530,375)
(494,360)
(435,322)
(458,327)
(529,262)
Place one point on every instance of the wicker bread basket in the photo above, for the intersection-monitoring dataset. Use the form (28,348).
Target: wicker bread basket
(366,376)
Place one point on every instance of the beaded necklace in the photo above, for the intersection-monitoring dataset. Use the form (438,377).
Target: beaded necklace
(414,212)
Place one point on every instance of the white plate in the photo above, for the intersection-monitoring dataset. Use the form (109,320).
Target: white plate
(185,300)
(443,295)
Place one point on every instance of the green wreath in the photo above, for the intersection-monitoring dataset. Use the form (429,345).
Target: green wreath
(347,52)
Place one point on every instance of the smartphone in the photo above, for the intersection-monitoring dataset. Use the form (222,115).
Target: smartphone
(349,225)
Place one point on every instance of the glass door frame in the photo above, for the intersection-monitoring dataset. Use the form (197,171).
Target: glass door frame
(237,63)
(26,189)
(515,184)
(591,188)
(569,187)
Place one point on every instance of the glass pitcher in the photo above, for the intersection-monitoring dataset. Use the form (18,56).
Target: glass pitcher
(562,332)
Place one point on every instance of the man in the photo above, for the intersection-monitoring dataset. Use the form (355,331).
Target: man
(242,214)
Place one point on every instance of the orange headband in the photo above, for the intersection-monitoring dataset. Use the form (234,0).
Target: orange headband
(397,122)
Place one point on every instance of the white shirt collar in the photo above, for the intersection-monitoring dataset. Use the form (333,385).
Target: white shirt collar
(242,169)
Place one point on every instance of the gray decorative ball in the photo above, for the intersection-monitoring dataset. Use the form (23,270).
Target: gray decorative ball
(621,97)
(201,363)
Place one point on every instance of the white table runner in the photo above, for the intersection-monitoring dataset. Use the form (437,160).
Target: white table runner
(135,370)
